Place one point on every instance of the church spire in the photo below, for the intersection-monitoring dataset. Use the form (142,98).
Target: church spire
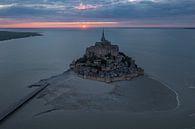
(103,39)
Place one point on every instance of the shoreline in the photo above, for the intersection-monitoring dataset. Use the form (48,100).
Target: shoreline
(165,84)
(10,35)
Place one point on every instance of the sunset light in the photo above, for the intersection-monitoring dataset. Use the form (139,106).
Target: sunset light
(104,64)
(57,24)
(83,26)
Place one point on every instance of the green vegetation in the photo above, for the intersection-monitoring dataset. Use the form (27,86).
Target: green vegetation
(126,59)
(6,35)
(94,61)
(91,61)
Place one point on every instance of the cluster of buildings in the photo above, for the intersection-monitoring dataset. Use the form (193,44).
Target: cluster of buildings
(104,62)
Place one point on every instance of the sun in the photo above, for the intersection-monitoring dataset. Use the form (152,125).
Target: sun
(84,26)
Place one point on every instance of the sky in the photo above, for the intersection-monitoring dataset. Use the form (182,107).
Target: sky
(96,13)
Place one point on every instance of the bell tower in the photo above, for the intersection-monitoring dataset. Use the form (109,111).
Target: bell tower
(103,39)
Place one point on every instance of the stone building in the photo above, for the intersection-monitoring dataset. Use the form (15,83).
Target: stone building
(104,62)
(102,48)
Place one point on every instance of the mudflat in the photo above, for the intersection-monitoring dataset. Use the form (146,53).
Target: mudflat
(67,91)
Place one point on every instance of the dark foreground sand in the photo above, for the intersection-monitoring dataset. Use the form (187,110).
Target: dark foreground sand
(74,103)
(69,92)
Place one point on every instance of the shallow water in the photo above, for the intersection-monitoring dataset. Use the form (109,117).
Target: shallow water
(166,54)
(67,91)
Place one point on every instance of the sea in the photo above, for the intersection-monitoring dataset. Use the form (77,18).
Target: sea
(166,54)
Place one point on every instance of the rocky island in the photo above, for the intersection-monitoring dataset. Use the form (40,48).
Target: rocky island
(104,62)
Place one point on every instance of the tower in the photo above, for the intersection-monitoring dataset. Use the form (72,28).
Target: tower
(103,39)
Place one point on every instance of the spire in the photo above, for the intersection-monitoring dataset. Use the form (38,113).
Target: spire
(103,37)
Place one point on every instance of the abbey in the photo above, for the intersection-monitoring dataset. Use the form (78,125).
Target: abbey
(104,62)
(102,48)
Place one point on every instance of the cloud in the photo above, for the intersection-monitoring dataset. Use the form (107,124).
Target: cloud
(81,6)
(148,11)
(3,6)
(143,9)
(52,6)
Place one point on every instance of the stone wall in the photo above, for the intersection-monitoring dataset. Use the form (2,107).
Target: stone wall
(109,79)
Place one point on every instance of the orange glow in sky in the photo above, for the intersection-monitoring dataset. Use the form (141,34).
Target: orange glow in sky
(58,24)
(83,26)
(12,23)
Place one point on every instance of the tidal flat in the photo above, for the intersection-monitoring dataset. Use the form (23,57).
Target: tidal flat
(67,91)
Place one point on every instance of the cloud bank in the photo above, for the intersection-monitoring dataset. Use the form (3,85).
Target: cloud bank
(126,12)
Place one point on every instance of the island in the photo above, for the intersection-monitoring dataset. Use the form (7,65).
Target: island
(82,88)
(104,62)
(8,35)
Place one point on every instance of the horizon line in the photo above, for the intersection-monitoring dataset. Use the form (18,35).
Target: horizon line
(88,24)
(147,27)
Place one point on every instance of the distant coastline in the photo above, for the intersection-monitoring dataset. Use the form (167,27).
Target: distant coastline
(8,35)
(190,28)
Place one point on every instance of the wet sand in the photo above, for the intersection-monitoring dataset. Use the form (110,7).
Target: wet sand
(72,102)
(70,92)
